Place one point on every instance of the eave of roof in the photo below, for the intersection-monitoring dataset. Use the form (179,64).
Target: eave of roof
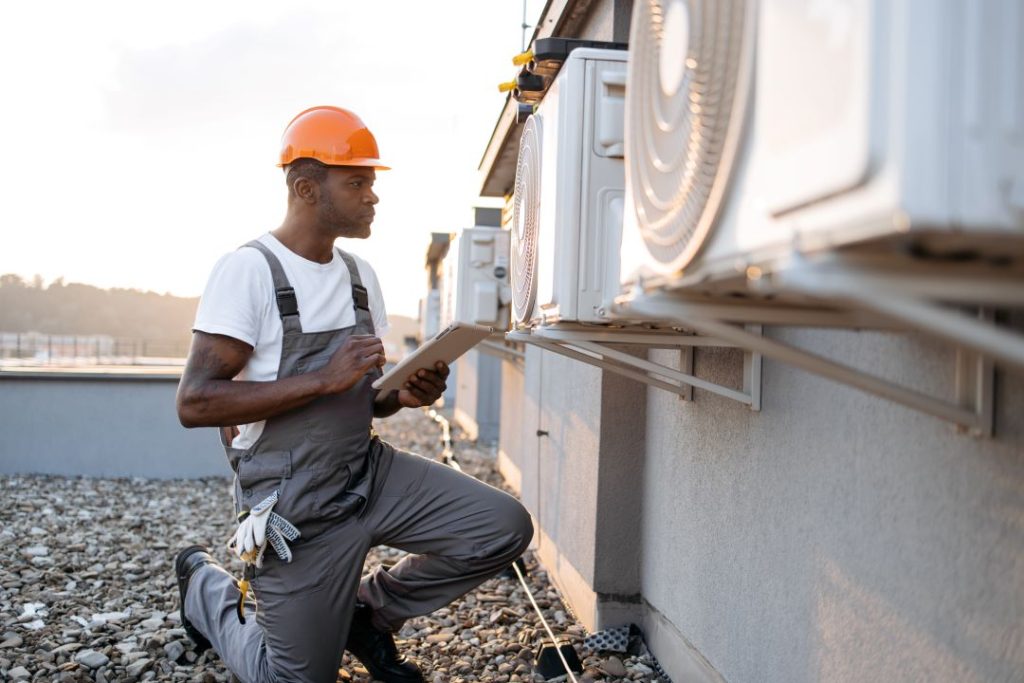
(498,164)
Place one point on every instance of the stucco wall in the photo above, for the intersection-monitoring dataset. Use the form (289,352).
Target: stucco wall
(512,425)
(618,547)
(577,458)
(568,457)
(836,536)
(478,395)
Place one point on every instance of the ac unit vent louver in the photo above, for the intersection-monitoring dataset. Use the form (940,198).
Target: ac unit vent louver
(526,222)
(689,75)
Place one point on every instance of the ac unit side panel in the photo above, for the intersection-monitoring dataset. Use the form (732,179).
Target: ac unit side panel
(502,274)
(923,81)
(431,315)
(566,188)
(600,209)
(599,255)
(985,47)
(548,211)
(449,286)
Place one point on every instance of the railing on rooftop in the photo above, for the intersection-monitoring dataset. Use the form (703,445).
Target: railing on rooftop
(34,349)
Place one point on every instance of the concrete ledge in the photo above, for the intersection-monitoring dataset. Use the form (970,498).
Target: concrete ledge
(677,656)
(101,424)
(510,472)
(122,374)
(594,610)
(466,422)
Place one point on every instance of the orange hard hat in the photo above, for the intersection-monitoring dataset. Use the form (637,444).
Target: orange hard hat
(332,135)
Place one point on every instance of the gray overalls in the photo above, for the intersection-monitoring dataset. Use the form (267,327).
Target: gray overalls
(346,491)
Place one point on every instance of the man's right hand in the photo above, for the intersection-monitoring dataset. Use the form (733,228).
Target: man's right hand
(357,356)
(209,396)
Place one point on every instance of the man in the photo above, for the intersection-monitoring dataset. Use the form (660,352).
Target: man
(286,345)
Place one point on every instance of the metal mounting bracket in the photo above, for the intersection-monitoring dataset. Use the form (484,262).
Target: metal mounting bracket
(502,349)
(971,411)
(911,300)
(596,346)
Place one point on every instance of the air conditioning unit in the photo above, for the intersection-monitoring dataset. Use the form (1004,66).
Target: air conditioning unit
(430,314)
(569,193)
(757,129)
(475,286)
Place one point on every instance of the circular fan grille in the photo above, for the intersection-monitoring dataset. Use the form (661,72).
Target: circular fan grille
(688,78)
(525,222)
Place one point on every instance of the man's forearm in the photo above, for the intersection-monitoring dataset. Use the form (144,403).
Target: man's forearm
(225,403)
(386,406)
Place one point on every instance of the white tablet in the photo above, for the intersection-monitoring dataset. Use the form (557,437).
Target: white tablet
(447,345)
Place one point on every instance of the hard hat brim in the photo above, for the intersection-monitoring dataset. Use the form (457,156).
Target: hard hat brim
(364,163)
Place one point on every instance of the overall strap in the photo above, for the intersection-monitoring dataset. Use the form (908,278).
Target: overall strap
(287,305)
(360,298)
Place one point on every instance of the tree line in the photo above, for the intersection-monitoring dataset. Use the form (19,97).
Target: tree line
(72,308)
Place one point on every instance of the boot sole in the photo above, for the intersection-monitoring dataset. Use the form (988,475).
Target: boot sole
(202,644)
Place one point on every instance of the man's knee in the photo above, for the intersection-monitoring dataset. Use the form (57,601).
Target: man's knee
(516,529)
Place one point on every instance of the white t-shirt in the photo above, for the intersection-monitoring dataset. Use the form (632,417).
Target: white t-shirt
(239,302)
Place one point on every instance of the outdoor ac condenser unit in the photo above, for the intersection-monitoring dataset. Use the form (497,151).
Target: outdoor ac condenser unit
(759,129)
(475,287)
(568,202)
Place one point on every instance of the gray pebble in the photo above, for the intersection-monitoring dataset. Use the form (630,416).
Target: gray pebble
(174,650)
(19,673)
(91,659)
(117,539)
(136,668)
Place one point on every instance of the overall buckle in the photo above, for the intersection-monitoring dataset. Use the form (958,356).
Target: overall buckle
(286,301)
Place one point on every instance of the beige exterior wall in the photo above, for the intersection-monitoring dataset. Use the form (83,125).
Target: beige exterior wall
(836,536)
(579,472)
(832,536)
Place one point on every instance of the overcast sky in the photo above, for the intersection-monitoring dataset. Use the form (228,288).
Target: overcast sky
(141,137)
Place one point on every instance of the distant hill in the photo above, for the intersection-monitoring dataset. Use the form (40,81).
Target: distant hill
(77,309)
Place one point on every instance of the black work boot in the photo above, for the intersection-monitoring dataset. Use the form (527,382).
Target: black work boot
(185,564)
(377,651)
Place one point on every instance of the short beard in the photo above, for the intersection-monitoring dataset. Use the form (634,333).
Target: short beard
(330,220)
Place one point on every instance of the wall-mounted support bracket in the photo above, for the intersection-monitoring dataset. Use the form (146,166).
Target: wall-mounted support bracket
(501,349)
(971,411)
(596,346)
(912,301)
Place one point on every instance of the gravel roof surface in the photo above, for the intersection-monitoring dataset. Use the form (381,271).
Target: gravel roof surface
(87,589)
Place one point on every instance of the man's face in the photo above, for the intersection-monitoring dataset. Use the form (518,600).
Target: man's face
(347,200)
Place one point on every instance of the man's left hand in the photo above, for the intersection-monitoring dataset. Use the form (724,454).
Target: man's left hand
(424,387)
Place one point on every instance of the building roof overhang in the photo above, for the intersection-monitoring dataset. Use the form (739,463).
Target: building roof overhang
(498,164)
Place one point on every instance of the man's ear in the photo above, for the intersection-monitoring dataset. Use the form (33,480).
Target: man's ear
(306,190)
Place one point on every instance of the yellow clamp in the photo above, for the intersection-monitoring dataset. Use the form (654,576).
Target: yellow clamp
(507,86)
(243,591)
(522,58)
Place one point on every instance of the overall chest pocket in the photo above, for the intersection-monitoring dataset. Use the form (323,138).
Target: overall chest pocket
(260,474)
(338,416)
